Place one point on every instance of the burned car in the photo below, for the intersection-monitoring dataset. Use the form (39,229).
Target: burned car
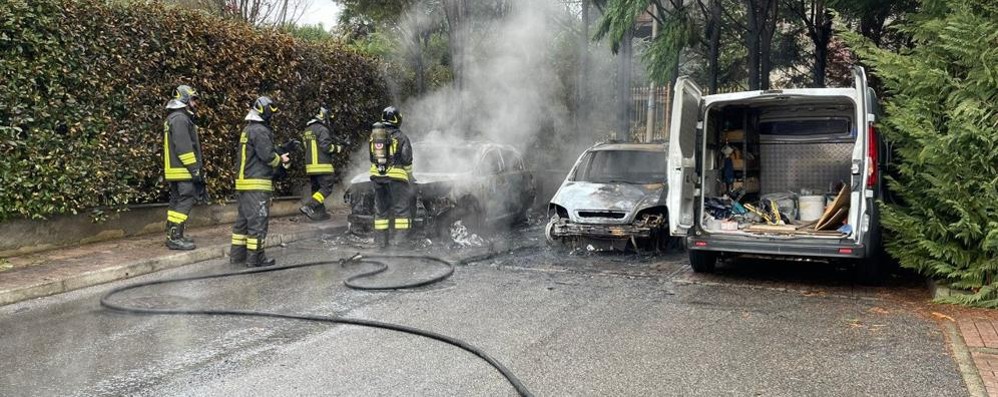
(480,184)
(614,198)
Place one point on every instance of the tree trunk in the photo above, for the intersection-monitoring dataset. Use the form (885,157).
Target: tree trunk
(455,12)
(769,14)
(714,46)
(822,36)
(581,91)
(624,57)
(417,61)
(752,37)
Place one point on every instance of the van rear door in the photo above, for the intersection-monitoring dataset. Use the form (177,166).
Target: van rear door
(686,110)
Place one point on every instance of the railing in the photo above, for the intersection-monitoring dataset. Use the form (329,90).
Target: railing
(660,104)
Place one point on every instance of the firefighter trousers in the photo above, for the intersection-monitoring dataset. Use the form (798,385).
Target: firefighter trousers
(181,201)
(391,205)
(322,187)
(250,229)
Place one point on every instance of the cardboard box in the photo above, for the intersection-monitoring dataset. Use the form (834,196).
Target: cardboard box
(734,135)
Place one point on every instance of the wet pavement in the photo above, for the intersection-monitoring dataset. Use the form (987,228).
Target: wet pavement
(566,323)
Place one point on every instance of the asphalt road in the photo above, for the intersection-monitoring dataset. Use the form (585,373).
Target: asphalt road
(565,323)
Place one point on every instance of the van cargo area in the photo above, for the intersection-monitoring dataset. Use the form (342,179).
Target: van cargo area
(779,165)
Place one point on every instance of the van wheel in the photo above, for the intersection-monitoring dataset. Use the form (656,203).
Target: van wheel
(872,270)
(702,261)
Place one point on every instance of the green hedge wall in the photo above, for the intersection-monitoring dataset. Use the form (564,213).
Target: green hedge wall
(83,86)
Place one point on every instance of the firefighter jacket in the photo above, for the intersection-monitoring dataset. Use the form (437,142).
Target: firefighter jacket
(319,148)
(181,149)
(256,158)
(399,155)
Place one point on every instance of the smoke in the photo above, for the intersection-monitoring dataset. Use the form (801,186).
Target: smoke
(516,83)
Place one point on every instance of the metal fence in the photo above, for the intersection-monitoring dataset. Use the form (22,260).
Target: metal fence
(644,100)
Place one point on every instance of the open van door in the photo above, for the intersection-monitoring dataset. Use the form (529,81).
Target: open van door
(682,155)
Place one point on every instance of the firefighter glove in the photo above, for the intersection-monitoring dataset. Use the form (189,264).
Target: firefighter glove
(196,176)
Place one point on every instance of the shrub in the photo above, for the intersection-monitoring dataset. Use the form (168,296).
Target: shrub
(83,86)
(943,119)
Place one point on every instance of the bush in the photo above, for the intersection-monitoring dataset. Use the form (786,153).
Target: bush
(943,120)
(83,86)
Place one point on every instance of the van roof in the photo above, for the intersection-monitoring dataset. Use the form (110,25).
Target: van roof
(812,92)
(643,147)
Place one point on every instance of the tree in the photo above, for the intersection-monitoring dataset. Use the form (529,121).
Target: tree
(277,12)
(817,21)
(941,118)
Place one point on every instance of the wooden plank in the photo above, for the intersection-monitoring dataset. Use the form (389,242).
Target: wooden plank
(841,201)
(772,228)
(834,221)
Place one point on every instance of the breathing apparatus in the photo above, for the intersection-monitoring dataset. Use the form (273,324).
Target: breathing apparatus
(380,143)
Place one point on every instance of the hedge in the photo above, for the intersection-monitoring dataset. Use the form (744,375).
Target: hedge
(83,85)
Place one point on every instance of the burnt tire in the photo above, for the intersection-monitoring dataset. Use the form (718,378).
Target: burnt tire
(702,261)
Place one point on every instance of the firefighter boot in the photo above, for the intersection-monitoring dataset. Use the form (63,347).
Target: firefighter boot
(174,239)
(258,258)
(381,238)
(182,236)
(315,212)
(183,233)
(237,254)
(320,211)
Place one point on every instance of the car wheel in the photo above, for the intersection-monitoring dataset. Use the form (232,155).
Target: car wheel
(549,232)
(702,261)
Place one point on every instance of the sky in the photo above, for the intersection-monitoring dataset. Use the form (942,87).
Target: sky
(324,11)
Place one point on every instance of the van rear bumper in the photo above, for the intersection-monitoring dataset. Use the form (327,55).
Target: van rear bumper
(777,247)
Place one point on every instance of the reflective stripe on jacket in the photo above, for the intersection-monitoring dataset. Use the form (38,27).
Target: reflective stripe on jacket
(181,149)
(400,157)
(257,158)
(319,149)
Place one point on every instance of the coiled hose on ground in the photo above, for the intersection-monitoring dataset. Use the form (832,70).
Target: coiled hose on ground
(107,302)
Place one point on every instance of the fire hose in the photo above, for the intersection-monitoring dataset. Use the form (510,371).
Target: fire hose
(107,302)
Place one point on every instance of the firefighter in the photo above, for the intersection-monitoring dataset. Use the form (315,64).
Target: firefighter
(319,151)
(257,159)
(182,164)
(391,173)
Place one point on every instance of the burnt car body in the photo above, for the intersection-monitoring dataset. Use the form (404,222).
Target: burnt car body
(614,197)
(482,184)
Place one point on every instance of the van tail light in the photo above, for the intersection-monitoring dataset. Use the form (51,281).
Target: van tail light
(873,158)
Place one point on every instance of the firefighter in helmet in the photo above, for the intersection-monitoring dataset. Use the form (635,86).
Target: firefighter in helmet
(391,172)
(257,159)
(319,152)
(182,163)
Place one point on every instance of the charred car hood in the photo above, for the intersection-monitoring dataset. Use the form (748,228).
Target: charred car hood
(620,201)
(421,177)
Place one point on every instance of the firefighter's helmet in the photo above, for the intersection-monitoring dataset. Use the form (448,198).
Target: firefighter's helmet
(392,116)
(182,97)
(324,116)
(265,108)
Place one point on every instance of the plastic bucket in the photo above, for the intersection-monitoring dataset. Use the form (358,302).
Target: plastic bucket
(811,207)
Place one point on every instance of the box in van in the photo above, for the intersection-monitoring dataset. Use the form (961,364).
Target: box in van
(789,144)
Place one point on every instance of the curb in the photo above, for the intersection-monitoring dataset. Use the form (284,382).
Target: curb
(142,267)
(940,290)
(965,362)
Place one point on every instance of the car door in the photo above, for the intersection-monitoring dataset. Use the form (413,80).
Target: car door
(492,188)
(519,182)
(686,111)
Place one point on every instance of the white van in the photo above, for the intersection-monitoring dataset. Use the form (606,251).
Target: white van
(819,140)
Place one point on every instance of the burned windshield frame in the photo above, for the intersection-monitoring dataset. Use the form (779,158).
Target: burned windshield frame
(584,172)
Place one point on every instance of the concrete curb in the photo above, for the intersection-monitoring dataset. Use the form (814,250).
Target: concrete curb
(137,268)
(965,362)
(939,290)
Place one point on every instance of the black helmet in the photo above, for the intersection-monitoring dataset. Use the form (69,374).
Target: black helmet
(265,108)
(182,96)
(324,116)
(392,116)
